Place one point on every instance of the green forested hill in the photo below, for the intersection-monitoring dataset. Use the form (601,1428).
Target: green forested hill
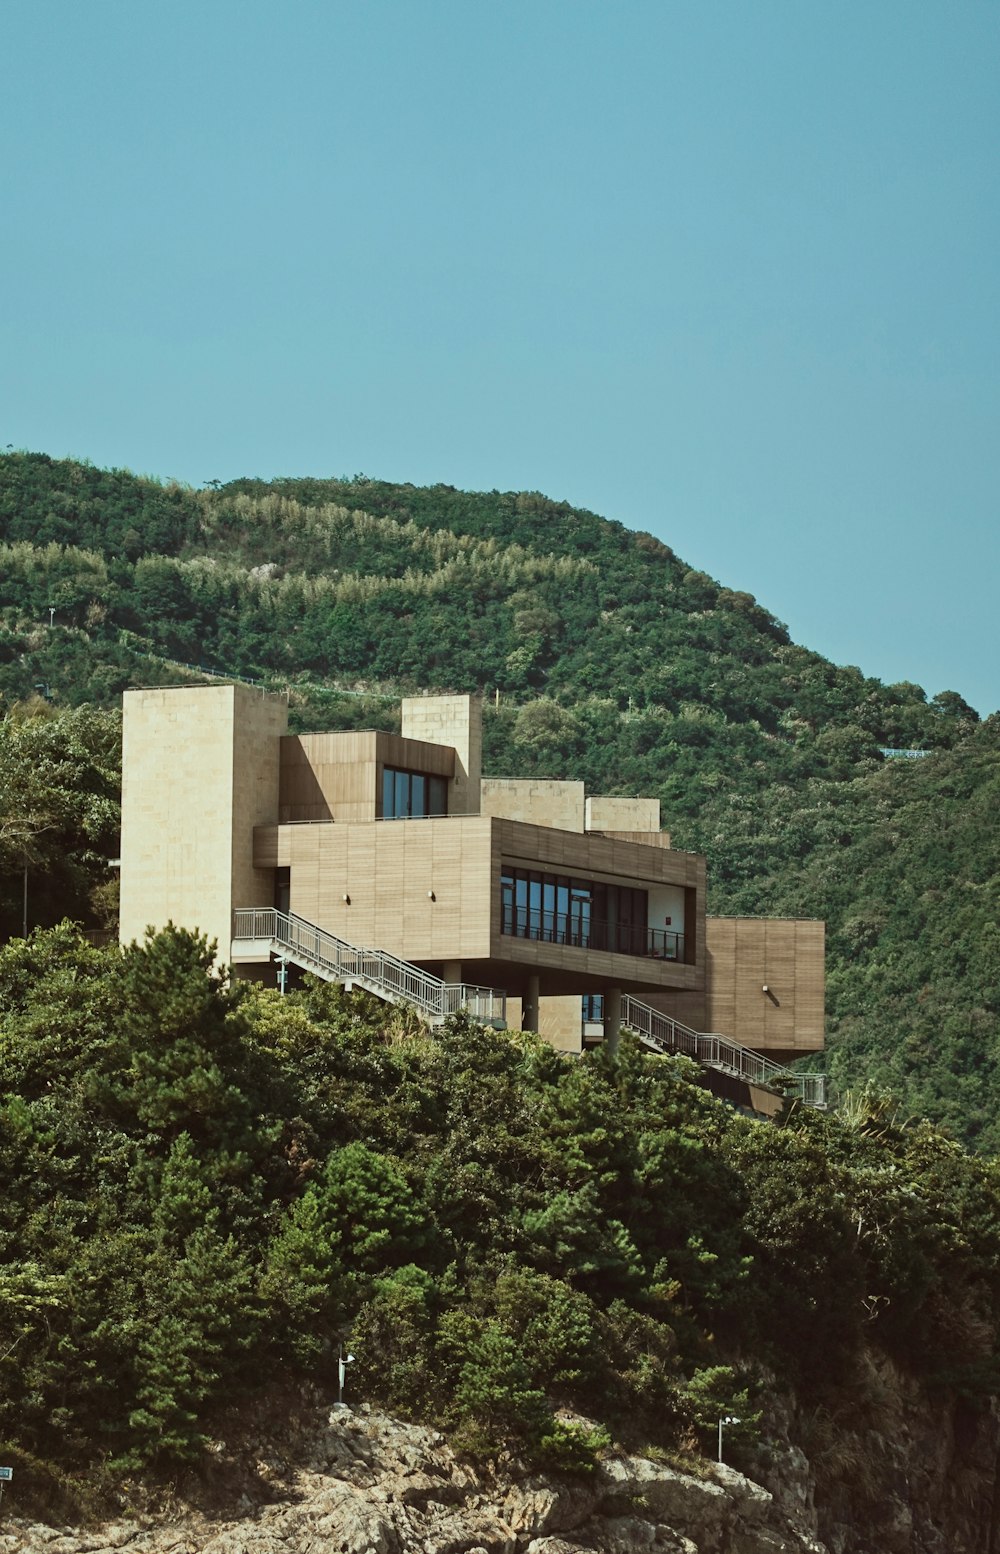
(614,661)
(207,1188)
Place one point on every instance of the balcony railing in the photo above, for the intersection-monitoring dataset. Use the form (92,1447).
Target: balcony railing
(548,927)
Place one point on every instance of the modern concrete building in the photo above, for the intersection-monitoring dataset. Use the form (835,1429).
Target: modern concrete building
(388,861)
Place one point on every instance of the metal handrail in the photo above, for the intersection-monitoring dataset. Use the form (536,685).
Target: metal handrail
(388,975)
(669,1035)
(383,972)
(548,926)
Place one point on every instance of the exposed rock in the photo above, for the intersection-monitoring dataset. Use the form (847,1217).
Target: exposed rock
(361,1483)
(889,1481)
(558,1546)
(535,1507)
(673,1497)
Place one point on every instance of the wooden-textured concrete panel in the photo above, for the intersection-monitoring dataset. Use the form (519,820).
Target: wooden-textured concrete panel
(766,983)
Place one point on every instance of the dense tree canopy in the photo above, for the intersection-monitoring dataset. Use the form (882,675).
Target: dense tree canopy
(60,780)
(210,1186)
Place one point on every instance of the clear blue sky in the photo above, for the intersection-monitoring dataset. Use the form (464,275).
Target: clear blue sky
(725,271)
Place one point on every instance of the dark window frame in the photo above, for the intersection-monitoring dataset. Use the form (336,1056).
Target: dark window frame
(583,914)
(411,795)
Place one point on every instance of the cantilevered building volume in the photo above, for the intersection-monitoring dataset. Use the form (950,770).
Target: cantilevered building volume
(388,862)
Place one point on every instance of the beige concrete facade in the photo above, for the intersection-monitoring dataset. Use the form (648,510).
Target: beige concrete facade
(456,721)
(565,805)
(339,776)
(200,769)
(543,803)
(222,808)
(429,892)
(766,978)
(764,982)
(559,1021)
(603,813)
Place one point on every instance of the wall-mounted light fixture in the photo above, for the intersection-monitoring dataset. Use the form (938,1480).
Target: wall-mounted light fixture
(347,899)
(431,896)
(765,988)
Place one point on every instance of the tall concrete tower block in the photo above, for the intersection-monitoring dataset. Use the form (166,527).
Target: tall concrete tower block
(200,769)
(455,721)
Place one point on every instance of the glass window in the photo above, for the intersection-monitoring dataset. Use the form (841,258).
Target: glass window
(549,910)
(521,905)
(507,903)
(579,914)
(412,795)
(562,911)
(591,915)
(534,905)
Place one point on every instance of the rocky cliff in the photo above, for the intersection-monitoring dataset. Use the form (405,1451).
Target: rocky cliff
(358,1482)
(367,1484)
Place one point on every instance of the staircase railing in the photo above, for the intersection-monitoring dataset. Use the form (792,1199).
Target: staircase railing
(389,977)
(377,970)
(668,1035)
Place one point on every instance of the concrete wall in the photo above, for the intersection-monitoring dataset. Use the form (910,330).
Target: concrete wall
(541,803)
(418,888)
(647,838)
(558,1021)
(388,870)
(604,813)
(689,1006)
(199,772)
(544,802)
(785,956)
(666,910)
(339,776)
(258,725)
(327,776)
(744,956)
(456,721)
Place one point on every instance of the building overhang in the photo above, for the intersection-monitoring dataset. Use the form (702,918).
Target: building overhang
(429,891)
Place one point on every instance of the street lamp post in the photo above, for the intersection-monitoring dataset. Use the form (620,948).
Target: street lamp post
(728,1419)
(343,1361)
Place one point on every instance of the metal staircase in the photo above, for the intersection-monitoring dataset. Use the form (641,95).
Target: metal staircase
(260,932)
(664,1034)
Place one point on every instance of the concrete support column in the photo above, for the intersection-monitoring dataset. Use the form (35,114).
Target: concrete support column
(612,1017)
(529,1005)
(451,971)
